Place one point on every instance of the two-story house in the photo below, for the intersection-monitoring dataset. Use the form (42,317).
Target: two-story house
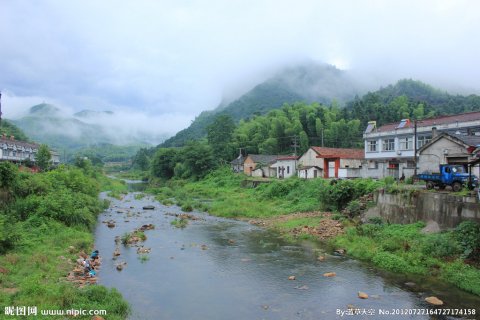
(390,149)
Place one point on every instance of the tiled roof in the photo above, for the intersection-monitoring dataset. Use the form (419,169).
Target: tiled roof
(339,153)
(288,158)
(19,143)
(463,117)
(472,141)
(264,158)
(237,161)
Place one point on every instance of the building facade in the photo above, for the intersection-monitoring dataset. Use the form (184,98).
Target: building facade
(21,151)
(285,167)
(448,149)
(17,151)
(390,149)
(332,162)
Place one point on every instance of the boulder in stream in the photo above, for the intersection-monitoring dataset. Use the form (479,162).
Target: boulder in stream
(148,207)
(434,300)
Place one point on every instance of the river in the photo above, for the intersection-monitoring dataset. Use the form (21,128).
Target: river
(225,269)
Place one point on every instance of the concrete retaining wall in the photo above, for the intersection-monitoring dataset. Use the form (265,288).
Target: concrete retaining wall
(446,209)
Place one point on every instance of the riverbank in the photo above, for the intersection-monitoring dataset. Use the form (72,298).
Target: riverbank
(396,248)
(46,219)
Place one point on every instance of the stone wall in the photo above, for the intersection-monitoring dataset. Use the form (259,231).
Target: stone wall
(410,206)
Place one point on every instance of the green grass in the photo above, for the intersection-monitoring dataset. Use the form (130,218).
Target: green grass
(38,265)
(50,212)
(179,223)
(139,196)
(404,249)
(298,223)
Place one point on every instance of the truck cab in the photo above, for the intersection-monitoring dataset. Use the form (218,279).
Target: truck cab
(450,175)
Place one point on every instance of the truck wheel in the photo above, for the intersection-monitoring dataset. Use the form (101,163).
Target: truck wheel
(457,186)
(430,185)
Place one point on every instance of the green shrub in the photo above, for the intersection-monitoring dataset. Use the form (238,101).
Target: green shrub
(467,234)
(369,230)
(440,245)
(354,208)
(395,263)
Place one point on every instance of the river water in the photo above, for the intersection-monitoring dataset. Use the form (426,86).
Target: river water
(224,269)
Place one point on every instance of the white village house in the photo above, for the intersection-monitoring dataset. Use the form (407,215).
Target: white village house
(286,166)
(324,162)
(390,149)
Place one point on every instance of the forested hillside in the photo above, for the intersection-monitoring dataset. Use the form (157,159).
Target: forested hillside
(9,129)
(306,83)
(408,99)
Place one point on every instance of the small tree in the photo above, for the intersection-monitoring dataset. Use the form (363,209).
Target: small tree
(43,157)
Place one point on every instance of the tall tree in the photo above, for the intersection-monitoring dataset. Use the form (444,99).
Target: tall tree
(43,157)
(219,136)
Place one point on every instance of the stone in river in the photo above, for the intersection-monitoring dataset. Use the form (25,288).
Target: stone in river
(329,274)
(291,278)
(362,295)
(149,207)
(434,300)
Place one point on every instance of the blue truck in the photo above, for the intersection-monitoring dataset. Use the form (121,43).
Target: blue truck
(454,176)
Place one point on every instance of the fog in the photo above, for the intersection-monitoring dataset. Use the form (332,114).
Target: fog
(158,64)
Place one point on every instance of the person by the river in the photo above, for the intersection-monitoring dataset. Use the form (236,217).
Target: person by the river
(94,255)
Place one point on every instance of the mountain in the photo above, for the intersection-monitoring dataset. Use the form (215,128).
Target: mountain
(408,99)
(48,124)
(308,83)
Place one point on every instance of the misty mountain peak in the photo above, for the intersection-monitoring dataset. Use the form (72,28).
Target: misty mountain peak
(44,109)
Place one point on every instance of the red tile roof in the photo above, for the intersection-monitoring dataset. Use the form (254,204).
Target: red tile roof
(339,153)
(288,158)
(463,117)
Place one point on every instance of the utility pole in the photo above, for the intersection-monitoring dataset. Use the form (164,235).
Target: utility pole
(415,147)
(295,144)
(322,138)
(0,108)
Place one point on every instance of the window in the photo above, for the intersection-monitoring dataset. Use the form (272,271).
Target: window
(410,164)
(423,140)
(372,146)
(288,169)
(372,164)
(388,144)
(406,143)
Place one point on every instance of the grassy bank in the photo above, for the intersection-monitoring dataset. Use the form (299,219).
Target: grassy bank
(397,248)
(405,249)
(46,219)
(221,194)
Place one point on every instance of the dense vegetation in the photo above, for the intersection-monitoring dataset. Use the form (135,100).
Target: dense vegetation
(406,99)
(41,216)
(404,249)
(9,129)
(221,193)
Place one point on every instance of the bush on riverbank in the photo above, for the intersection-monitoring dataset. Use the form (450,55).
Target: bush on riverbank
(404,249)
(47,213)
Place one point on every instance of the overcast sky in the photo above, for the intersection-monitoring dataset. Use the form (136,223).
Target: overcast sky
(173,59)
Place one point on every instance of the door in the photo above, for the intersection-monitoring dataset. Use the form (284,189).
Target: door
(331,169)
